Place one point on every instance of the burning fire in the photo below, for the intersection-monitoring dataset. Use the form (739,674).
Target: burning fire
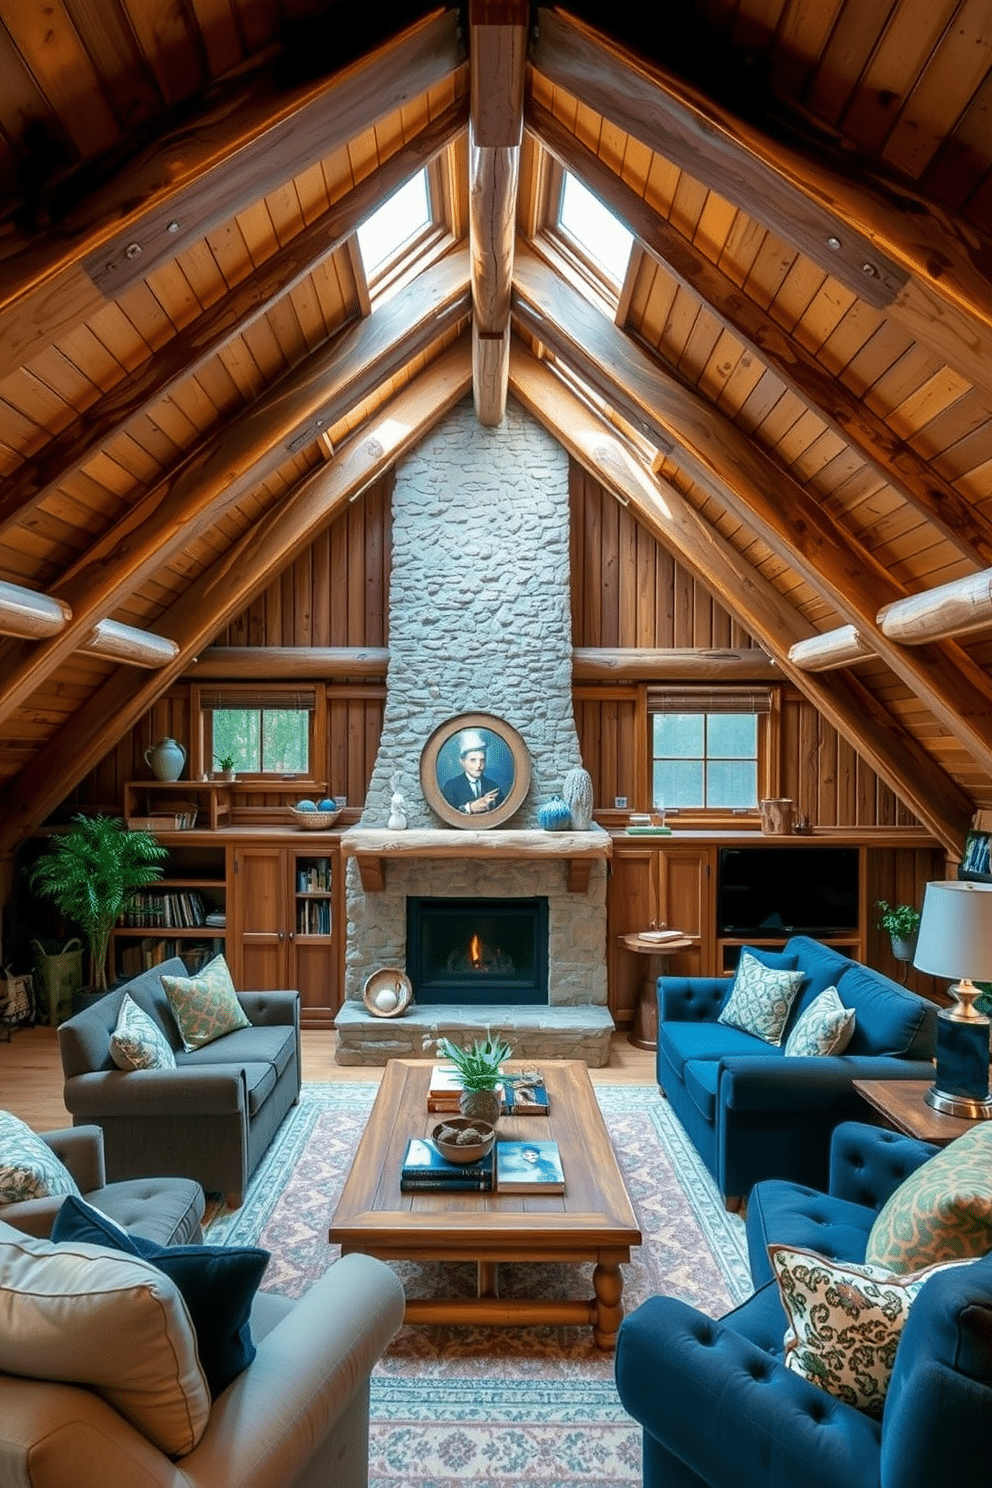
(475,952)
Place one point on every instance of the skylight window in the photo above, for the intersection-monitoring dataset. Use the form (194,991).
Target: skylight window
(401,217)
(594,230)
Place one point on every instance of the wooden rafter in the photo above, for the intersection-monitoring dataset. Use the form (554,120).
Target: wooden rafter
(196,343)
(770,619)
(909,475)
(250,137)
(733,469)
(222,592)
(241,454)
(897,251)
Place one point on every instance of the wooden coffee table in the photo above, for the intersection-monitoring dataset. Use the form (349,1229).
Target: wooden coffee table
(591,1221)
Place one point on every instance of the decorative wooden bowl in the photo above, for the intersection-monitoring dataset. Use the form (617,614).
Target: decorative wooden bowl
(464,1152)
(388,993)
(314,821)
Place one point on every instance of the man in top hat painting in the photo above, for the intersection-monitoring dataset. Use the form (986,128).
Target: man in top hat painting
(473,790)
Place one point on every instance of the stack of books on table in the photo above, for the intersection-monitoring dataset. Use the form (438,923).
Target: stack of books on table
(524,1094)
(425,1170)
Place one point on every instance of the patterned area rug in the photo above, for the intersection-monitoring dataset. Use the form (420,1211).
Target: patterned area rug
(493,1407)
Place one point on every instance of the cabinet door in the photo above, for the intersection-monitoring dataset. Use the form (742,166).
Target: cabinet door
(262,918)
(316,952)
(632,904)
(685,897)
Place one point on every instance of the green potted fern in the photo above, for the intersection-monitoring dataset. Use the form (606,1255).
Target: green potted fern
(481,1078)
(902,922)
(92,871)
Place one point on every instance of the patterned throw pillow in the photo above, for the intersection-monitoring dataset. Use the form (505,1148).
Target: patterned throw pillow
(845,1321)
(137,1042)
(760,999)
(29,1168)
(205,1006)
(825,1027)
(942,1211)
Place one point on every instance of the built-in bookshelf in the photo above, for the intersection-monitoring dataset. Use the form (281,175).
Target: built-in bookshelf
(183,914)
(313,896)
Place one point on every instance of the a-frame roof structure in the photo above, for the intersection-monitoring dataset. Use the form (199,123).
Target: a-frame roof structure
(791,387)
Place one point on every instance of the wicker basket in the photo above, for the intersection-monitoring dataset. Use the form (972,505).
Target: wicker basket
(314,821)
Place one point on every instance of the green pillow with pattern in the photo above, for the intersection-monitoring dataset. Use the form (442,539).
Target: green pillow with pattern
(206,1006)
(942,1211)
(760,999)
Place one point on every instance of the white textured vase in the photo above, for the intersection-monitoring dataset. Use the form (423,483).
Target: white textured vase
(576,792)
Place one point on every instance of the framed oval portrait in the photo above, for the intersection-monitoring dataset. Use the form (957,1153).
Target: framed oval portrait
(475,771)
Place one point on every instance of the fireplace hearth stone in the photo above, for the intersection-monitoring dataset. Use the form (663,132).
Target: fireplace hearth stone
(532,1032)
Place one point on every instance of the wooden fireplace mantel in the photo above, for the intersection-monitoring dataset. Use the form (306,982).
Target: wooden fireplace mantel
(372,848)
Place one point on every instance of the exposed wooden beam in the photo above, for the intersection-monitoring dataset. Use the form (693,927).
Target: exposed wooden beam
(833,648)
(737,472)
(909,475)
(958,608)
(937,800)
(239,455)
(747,664)
(252,136)
(290,663)
(222,592)
(119,642)
(897,251)
(25,612)
(498,55)
(220,323)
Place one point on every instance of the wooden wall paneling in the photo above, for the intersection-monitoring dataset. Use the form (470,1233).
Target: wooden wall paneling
(899,876)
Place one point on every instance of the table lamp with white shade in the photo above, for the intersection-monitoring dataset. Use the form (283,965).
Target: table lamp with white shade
(955,941)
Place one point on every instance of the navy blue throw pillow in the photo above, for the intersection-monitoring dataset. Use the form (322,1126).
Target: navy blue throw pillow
(218,1284)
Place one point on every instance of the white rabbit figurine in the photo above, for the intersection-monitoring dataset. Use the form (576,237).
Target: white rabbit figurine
(397,808)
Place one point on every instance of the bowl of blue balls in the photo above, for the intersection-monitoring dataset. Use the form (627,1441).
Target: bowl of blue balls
(315,816)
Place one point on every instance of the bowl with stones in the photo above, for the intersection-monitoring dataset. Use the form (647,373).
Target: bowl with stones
(462,1139)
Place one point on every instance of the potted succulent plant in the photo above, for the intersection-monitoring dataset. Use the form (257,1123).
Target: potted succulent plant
(92,871)
(902,922)
(479,1072)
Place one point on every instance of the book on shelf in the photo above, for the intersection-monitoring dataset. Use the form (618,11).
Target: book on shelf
(425,1168)
(529,1168)
(524,1094)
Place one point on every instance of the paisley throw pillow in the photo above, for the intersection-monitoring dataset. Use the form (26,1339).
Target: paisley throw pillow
(825,1027)
(760,999)
(942,1211)
(206,1006)
(137,1042)
(29,1168)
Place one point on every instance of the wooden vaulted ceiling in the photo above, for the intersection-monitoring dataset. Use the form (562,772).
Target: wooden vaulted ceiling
(793,391)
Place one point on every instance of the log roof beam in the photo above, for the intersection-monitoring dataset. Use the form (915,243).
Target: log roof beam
(915,777)
(222,591)
(897,251)
(731,468)
(251,136)
(909,475)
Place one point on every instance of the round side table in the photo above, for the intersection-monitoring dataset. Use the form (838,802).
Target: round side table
(644,1033)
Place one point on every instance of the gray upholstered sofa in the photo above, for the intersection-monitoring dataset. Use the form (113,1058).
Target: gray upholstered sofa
(213,1116)
(298,1415)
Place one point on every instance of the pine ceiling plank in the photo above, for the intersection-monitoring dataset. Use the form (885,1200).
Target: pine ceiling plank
(799,288)
(723,458)
(50,45)
(845,56)
(960,164)
(170,45)
(960,64)
(913,30)
(931,272)
(219,34)
(255,138)
(897,757)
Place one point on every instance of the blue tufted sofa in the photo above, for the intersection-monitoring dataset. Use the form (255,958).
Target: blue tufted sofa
(720,1410)
(753,1113)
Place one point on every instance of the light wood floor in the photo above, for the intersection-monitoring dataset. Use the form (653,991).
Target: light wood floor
(31,1072)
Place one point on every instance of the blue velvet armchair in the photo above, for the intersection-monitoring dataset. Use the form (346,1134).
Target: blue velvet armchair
(718,1407)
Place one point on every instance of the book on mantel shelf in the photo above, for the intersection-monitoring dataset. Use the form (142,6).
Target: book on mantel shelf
(425,1169)
(529,1168)
(524,1094)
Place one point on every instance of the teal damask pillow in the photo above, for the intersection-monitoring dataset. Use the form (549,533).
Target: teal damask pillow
(845,1321)
(826,1026)
(137,1042)
(29,1168)
(206,1006)
(941,1212)
(760,999)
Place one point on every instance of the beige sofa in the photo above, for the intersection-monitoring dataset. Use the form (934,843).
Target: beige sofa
(296,1417)
(213,1116)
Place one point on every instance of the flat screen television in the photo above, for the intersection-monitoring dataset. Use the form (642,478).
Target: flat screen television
(772,891)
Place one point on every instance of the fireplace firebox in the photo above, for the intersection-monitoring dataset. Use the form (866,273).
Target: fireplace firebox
(477,951)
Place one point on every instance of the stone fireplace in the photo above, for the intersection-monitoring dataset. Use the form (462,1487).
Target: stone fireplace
(479,622)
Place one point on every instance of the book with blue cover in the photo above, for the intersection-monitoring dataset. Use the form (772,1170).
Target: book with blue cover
(529,1167)
(425,1167)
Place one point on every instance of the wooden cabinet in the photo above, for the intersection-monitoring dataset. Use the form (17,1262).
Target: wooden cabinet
(285,911)
(662,884)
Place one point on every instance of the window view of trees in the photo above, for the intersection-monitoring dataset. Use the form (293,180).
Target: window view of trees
(705,760)
(271,741)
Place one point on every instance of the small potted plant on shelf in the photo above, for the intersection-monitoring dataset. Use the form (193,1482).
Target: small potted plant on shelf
(226,762)
(92,871)
(480,1075)
(902,922)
